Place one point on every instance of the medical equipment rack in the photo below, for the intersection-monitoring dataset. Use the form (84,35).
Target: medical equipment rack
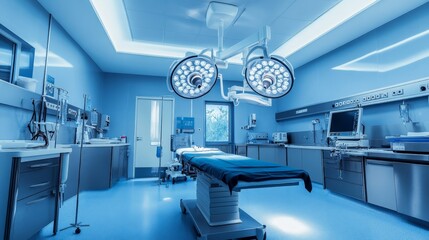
(248,227)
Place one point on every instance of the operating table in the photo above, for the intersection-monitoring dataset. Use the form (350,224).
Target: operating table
(220,177)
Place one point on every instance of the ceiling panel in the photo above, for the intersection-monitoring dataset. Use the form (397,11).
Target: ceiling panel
(284,28)
(308,10)
(149,20)
(180,39)
(150,29)
(137,19)
(153,6)
(207,41)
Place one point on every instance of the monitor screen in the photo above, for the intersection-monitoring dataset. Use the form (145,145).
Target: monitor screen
(345,124)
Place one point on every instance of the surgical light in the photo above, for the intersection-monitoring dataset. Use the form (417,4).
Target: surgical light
(194,76)
(269,76)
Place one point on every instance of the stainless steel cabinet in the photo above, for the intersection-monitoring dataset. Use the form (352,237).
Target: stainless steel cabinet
(119,163)
(344,175)
(253,151)
(412,191)
(96,167)
(294,158)
(71,183)
(309,160)
(273,153)
(380,183)
(268,152)
(101,168)
(312,162)
(34,199)
(241,149)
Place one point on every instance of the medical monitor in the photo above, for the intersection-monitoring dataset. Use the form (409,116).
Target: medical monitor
(345,124)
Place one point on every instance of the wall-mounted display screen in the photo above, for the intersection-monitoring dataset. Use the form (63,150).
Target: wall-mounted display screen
(345,124)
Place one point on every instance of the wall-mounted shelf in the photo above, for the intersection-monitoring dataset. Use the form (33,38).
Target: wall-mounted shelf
(398,92)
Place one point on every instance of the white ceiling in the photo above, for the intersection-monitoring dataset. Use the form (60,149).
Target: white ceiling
(182,23)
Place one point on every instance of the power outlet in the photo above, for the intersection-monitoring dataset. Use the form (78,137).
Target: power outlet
(52,106)
(398,92)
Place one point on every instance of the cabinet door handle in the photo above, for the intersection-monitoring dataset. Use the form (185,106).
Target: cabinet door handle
(37,200)
(379,163)
(40,184)
(40,165)
(139,138)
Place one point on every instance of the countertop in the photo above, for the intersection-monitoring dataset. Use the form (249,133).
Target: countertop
(32,152)
(105,144)
(85,145)
(374,153)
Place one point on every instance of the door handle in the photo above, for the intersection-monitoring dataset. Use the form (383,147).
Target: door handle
(139,138)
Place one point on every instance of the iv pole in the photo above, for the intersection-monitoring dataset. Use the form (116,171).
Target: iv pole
(159,149)
(77,225)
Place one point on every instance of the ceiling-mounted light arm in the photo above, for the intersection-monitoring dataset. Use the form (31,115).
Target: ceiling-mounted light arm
(221,88)
(237,94)
(247,56)
(220,33)
(207,50)
(264,51)
(259,38)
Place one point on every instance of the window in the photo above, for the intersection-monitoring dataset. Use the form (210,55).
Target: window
(218,123)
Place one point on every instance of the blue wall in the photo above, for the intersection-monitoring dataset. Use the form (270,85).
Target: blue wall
(120,92)
(72,69)
(400,59)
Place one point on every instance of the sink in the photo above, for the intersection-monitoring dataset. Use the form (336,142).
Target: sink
(102,141)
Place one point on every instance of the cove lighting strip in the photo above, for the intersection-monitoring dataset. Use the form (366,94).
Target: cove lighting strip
(337,15)
(112,15)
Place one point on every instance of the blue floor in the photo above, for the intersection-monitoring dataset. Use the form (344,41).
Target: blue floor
(140,209)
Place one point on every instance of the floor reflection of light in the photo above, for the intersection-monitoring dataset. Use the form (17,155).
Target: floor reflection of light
(167,199)
(290,225)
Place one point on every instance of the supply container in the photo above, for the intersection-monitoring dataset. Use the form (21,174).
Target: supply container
(27,83)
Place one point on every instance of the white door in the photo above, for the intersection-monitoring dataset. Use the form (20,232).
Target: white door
(154,127)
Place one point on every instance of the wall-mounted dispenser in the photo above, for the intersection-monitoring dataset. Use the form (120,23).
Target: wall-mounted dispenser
(252,122)
(404,113)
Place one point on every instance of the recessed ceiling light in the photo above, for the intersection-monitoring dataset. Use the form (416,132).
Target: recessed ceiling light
(113,17)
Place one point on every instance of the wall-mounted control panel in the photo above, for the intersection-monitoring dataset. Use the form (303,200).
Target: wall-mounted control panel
(52,106)
(411,89)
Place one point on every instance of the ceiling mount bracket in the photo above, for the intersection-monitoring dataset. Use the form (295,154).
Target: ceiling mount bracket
(220,14)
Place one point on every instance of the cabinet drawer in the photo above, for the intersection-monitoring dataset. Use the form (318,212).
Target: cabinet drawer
(32,182)
(32,214)
(351,177)
(39,164)
(347,165)
(345,188)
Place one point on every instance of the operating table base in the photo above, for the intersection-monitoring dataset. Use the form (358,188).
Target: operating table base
(249,227)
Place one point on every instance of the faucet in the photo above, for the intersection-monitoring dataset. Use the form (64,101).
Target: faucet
(314,122)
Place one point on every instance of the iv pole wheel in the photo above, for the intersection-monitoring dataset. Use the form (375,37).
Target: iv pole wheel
(77,231)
